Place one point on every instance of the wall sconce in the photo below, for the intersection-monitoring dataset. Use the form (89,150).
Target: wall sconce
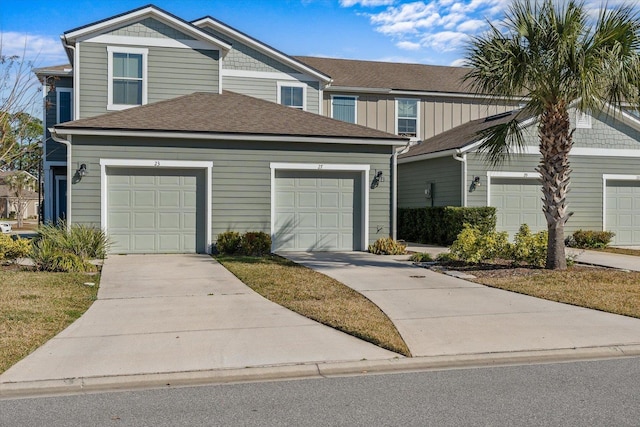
(474,184)
(377,179)
(82,170)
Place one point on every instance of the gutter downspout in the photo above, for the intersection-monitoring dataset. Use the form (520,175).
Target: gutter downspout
(463,158)
(57,138)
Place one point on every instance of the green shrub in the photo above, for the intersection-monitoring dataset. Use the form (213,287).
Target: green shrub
(387,246)
(255,243)
(529,248)
(441,225)
(12,249)
(48,256)
(446,258)
(228,242)
(588,239)
(473,245)
(86,242)
(421,257)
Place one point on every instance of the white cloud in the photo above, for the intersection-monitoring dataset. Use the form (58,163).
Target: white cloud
(406,18)
(407,45)
(40,50)
(471,26)
(445,41)
(366,3)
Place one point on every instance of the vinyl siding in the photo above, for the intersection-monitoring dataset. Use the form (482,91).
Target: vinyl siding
(267,89)
(445,174)
(241,185)
(606,132)
(171,72)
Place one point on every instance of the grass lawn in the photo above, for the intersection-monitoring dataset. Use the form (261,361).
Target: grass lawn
(598,288)
(317,297)
(35,306)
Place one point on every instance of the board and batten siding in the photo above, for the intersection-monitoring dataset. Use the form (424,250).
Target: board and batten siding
(437,114)
(171,72)
(241,175)
(413,178)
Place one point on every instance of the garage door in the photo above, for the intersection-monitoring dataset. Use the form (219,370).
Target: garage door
(623,211)
(155,210)
(317,211)
(517,201)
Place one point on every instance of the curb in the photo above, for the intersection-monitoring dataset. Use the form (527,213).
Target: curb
(306,371)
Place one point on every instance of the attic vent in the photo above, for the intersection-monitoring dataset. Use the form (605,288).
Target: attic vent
(497,116)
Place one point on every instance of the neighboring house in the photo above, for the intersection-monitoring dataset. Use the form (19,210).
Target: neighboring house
(7,199)
(166,133)
(447,170)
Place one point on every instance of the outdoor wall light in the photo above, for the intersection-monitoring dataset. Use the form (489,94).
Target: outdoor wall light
(377,179)
(82,170)
(474,184)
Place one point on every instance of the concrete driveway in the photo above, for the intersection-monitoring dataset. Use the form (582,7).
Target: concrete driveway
(442,315)
(159,314)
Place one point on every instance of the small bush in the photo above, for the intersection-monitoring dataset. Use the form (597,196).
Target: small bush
(387,246)
(529,248)
(228,242)
(446,258)
(11,249)
(48,256)
(421,257)
(588,239)
(86,242)
(473,245)
(255,243)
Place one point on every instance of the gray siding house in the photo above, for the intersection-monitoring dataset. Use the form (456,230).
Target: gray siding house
(165,133)
(605,182)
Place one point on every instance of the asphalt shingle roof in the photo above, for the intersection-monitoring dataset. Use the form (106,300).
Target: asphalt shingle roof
(226,113)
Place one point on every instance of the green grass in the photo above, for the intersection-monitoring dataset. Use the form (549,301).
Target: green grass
(35,306)
(317,297)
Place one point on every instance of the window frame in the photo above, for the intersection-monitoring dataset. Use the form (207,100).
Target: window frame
(280,85)
(355,107)
(66,90)
(132,50)
(417,118)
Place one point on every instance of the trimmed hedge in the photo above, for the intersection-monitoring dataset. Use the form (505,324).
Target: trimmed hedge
(441,225)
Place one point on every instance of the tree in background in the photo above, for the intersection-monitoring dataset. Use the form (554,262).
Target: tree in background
(21,188)
(24,141)
(551,56)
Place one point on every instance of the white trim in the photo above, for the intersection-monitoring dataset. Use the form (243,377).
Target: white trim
(260,47)
(280,85)
(152,42)
(59,178)
(150,11)
(520,175)
(58,91)
(220,70)
(134,50)
(355,106)
(363,169)
(163,164)
(231,137)
(270,75)
(612,177)
(418,102)
(409,93)
(76,81)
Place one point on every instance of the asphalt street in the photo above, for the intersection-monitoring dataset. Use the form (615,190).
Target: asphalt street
(605,392)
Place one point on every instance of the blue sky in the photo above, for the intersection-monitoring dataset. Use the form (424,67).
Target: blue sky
(430,32)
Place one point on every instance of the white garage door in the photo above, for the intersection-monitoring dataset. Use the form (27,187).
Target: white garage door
(317,211)
(153,211)
(623,211)
(517,201)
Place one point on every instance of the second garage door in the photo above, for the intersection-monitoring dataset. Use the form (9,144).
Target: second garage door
(623,211)
(317,211)
(155,210)
(517,201)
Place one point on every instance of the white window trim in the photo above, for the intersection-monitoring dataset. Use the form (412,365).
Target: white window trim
(363,169)
(355,111)
(417,100)
(612,177)
(521,175)
(58,91)
(280,85)
(163,164)
(121,49)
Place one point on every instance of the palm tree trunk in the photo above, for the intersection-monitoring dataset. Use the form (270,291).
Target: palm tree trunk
(555,144)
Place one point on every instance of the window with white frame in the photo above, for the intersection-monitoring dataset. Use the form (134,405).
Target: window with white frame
(292,95)
(64,104)
(344,108)
(127,77)
(407,117)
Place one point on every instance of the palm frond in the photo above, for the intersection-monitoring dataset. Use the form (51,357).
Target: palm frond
(501,141)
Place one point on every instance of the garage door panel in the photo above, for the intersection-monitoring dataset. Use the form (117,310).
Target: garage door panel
(623,211)
(307,200)
(169,220)
(144,243)
(329,220)
(306,219)
(169,199)
(143,198)
(119,198)
(119,220)
(143,180)
(517,201)
(329,200)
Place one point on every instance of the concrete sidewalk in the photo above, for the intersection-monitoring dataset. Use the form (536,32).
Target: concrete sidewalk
(165,314)
(439,315)
(605,259)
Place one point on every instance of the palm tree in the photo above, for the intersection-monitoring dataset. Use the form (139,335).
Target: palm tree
(555,56)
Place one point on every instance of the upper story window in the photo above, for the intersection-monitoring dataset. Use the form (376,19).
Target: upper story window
(292,95)
(407,117)
(127,77)
(64,104)
(344,108)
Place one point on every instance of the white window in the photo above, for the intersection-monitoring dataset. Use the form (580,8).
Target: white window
(64,104)
(127,86)
(407,112)
(344,108)
(292,94)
